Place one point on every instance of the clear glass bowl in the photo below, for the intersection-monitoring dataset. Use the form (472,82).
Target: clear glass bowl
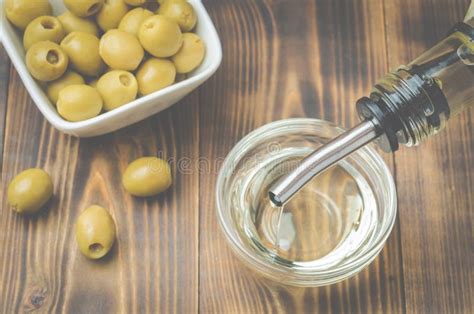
(329,231)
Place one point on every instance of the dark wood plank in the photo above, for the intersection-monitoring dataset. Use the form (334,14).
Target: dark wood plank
(4,78)
(434,180)
(283,59)
(153,265)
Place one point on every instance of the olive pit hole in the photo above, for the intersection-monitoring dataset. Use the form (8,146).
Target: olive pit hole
(95,247)
(94,8)
(47,24)
(52,57)
(124,79)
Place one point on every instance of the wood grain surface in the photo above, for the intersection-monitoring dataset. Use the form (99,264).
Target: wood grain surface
(282,58)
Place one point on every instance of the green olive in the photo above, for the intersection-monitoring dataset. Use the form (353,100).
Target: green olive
(95,232)
(191,54)
(72,23)
(83,51)
(121,50)
(132,20)
(160,36)
(79,102)
(135,2)
(43,28)
(181,12)
(117,88)
(111,14)
(46,61)
(83,8)
(155,74)
(21,12)
(30,190)
(69,78)
(147,176)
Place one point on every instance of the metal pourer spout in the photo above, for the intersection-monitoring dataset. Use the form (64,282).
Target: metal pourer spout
(405,107)
(321,159)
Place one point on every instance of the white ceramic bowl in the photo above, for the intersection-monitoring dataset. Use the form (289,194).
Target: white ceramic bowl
(132,112)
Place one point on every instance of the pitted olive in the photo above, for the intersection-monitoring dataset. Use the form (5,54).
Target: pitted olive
(160,36)
(21,12)
(46,61)
(95,232)
(43,28)
(117,88)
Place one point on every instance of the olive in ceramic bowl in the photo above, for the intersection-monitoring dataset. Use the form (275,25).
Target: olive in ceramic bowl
(121,50)
(46,61)
(83,51)
(79,102)
(21,12)
(180,11)
(160,36)
(43,28)
(72,23)
(155,74)
(83,8)
(190,55)
(117,88)
(131,22)
(111,14)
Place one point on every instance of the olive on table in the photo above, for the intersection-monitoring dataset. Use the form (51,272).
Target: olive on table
(21,12)
(155,74)
(43,28)
(121,50)
(46,61)
(160,36)
(95,232)
(117,88)
(79,102)
(181,12)
(111,14)
(131,22)
(72,23)
(54,87)
(135,2)
(83,51)
(190,55)
(29,191)
(83,8)
(147,176)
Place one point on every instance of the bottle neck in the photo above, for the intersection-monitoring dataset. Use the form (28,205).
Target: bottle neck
(414,102)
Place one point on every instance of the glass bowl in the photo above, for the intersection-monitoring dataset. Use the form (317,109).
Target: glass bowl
(329,231)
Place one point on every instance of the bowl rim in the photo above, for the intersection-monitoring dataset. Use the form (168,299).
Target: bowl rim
(278,274)
(44,105)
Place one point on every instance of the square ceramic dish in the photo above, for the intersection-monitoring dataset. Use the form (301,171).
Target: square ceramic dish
(130,113)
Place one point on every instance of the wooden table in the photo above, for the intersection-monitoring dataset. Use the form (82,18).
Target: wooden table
(282,59)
